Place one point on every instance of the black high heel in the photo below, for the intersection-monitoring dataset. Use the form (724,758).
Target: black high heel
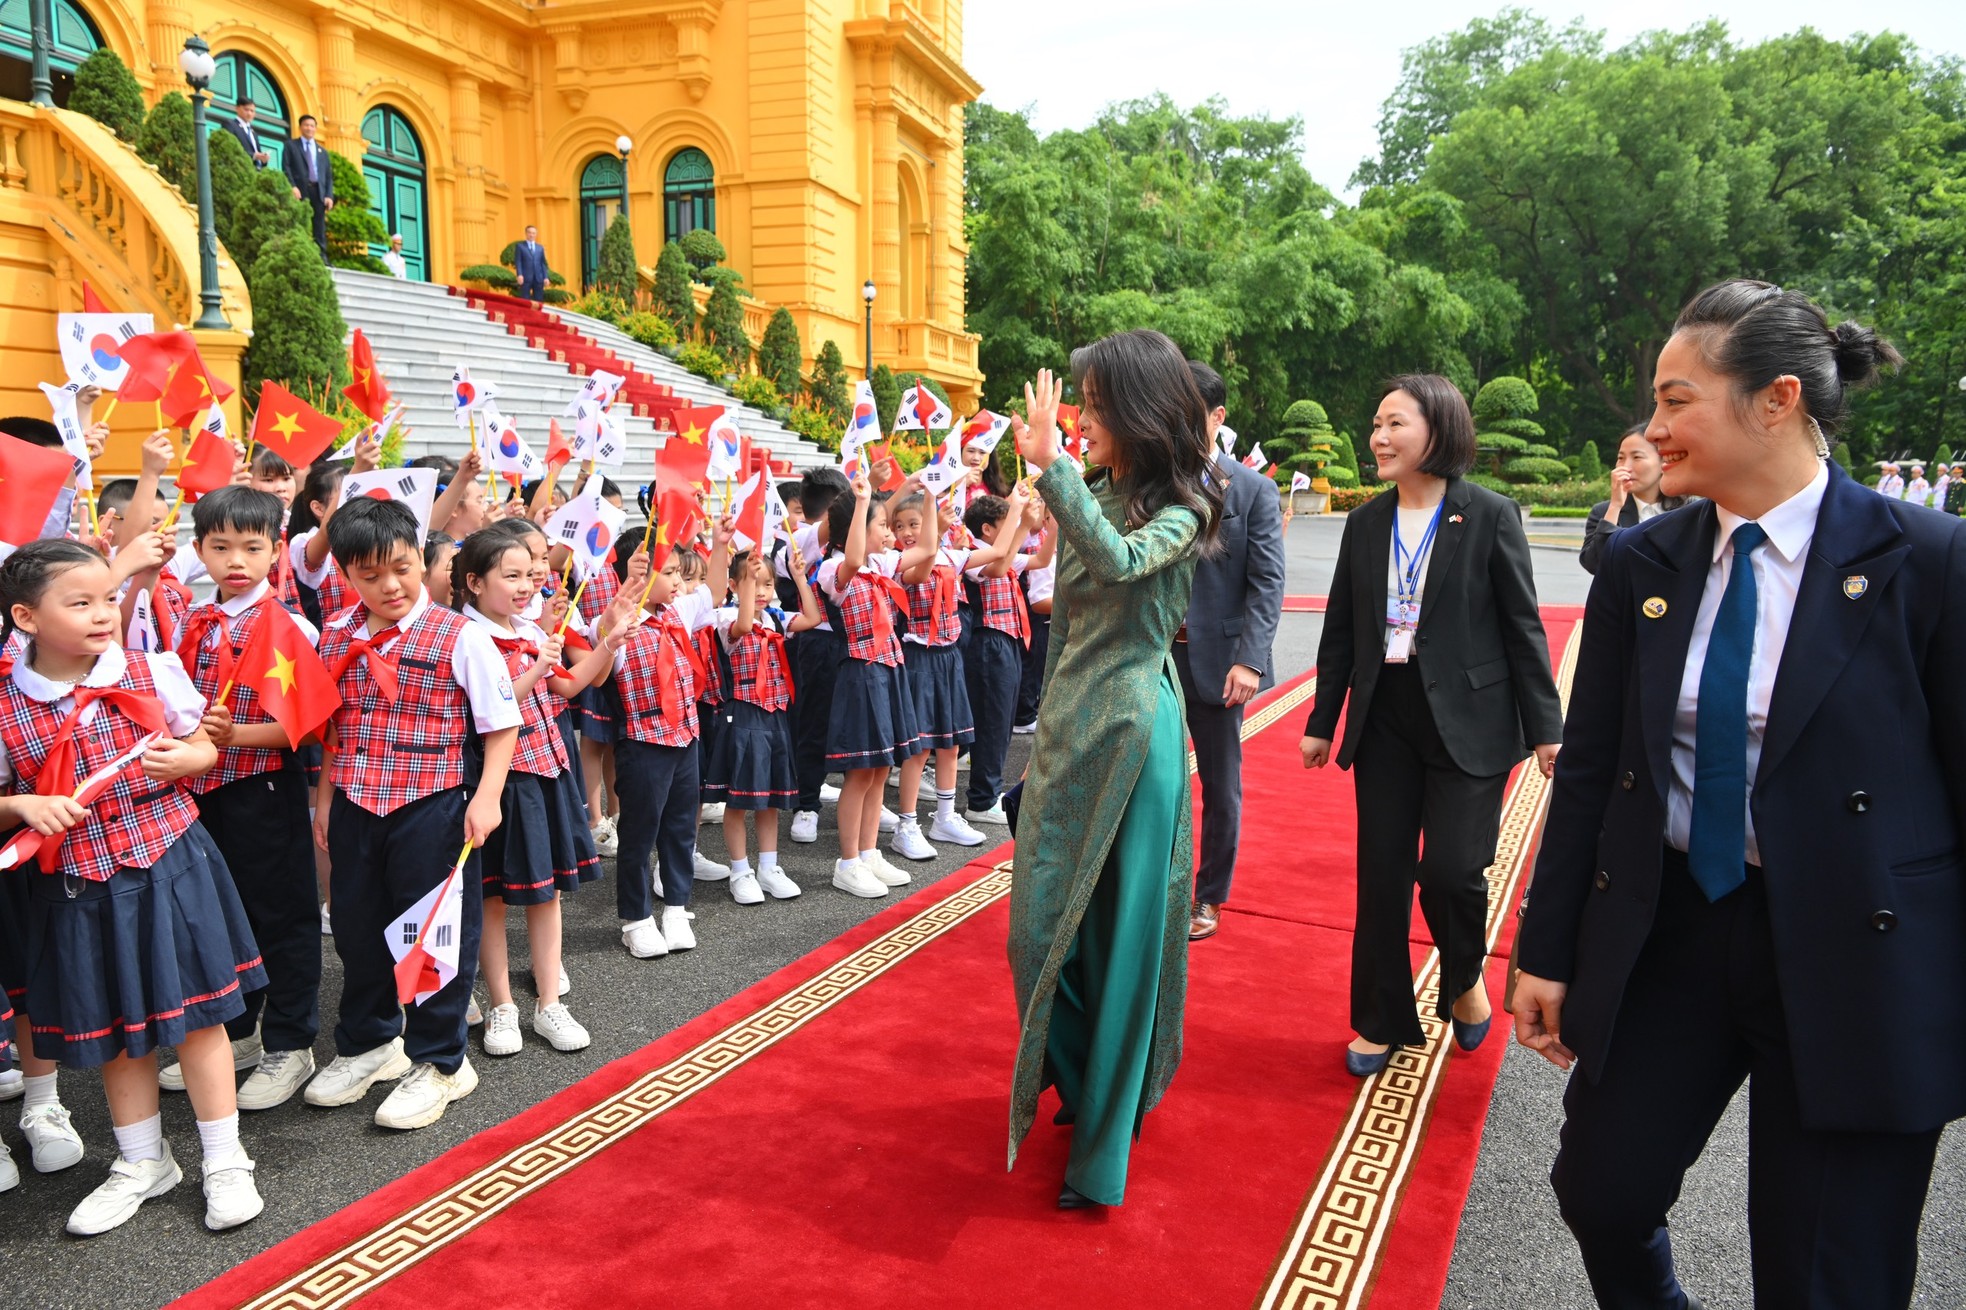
(1071,1198)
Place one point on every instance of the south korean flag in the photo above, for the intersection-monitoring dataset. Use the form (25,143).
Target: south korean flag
(416,488)
(425,940)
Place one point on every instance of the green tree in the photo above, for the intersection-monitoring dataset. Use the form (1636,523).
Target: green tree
(617,274)
(1590,465)
(702,249)
(673,297)
(1506,434)
(297,323)
(107,91)
(232,178)
(887,396)
(352,228)
(829,384)
(779,351)
(164,142)
(723,326)
(267,209)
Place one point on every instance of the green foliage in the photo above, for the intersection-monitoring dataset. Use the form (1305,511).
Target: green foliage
(495,276)
(558,296)
(617,274)
(1306,442)
(232,177)
(596,304)
(702,249)
(887,396)
(829,389)
(1590,465)
(1571,494)
(351,227)
(1534,468)
(107,91)
(703,361)
(757,391)
(1507,437)
(164,141)
(1561,512)
(267,209)
(1944,456)
(650,329)
(779,352)
(673,298)
(1840,452)
(723,327)
(297,323)
(816,426)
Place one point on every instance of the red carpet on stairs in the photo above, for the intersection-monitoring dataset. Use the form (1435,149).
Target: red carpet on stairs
(836,1134)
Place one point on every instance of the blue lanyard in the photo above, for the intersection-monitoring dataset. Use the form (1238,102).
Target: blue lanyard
(1410,571)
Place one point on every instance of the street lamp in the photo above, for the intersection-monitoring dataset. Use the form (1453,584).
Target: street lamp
(867,294)
(624,143)
(198,65)
(42,27)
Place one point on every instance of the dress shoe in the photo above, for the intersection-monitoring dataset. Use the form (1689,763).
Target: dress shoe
(1071,1198)
(1467,1036)
(1204,921)
(1363,1064)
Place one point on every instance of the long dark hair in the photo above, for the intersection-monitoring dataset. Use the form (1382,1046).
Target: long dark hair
(323,481)
(1139,384)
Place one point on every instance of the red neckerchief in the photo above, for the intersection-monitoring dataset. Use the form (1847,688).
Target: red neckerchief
(168,582)
(198,623)
(1023,611)
(943,603)
(382,668)
(513,647)
(57,777)
(883,619)
(705,642)
(670,637)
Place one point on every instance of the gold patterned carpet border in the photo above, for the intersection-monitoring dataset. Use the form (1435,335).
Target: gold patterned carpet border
(363,1265)
(1332,1257)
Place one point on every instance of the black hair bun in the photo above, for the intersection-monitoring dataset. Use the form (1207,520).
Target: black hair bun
(1860,352)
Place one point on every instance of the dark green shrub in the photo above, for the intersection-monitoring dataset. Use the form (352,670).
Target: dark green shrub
(778,353)
(1590,465)
(107,91)
(164,142)
(829,389)
(673,297)
(266,210)
(702,249)
(232,178)
(617,274)
(297,323)
(887,396)
(352,228)
(723,327)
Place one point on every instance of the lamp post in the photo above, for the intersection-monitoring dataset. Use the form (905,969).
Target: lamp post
(198,65)
(867,294)
(42,35)
(624,143)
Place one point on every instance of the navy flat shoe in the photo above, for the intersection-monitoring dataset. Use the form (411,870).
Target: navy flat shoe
(1467,1036)
(1363,1065)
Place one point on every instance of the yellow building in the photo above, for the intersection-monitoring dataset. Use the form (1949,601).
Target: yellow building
(820,139)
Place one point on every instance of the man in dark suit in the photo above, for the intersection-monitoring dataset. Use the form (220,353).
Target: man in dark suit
(241,128)
(1223,653)
(311,173)
(529,262)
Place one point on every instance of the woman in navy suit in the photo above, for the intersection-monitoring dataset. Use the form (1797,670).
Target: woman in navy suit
(1751,869)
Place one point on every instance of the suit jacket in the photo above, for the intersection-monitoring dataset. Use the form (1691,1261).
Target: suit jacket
(1597,531)
(1481,648)
(244,136)
(529,265)
(1858,803)
(1238,596)
(293,161)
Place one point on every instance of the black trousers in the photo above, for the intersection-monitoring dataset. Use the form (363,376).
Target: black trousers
(382,866)
(311,193)
(260,825)
(816,656)
(1216,730)
(1030,691)
(530,290)
(660,788)
(1833,1216)
(993,666)
(1407,785)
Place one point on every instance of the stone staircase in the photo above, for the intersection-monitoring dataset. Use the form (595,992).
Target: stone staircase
(421,331)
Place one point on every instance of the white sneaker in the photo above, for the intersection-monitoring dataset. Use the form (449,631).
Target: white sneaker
(894,777)
(9,1171)
(908,841)
(278,1077)
(327,925)
(889,819)
(561,1030)
(51,1140)
(744,889)
(676,930)
(246,1054)
(607,842)
(643,938)
(473,1016)
(347,1078)
(419,1099)
(1024,729)
(712,812)
(888,874)
(130,1184)
(502,1031)
(857,880)
(805,827)
(13,1085)
(707,869)
(774,881)
(994,815)
(828,794)
(955,829)
(566,983)
(231,1198)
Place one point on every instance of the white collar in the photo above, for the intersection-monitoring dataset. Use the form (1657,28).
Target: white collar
(403,624)
(245,600)
(477,615)
(1790,526)
(109,669)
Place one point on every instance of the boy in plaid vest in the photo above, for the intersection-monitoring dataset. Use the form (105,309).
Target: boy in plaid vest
(994,661)
(415,681)
(254,801)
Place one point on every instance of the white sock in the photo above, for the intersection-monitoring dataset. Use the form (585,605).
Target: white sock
(740,866)
(945,803)
(40,1091)
(846,863)
(142,1140)
(767,860)
(219,1136)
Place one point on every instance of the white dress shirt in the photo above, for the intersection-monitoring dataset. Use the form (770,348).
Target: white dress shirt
(1649,509)
(1410,530)
(393,261)
(1778,565)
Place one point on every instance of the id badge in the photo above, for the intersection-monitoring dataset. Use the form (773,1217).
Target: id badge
(1399,648)
(1402,617)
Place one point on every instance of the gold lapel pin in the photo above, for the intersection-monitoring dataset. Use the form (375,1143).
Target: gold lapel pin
(1654,607)
(1855,586)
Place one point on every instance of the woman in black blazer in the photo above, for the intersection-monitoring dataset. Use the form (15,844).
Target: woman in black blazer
(1432,631)
(1635,496)
(1751,868)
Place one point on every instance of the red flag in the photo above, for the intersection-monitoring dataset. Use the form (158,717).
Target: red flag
(558,449)
(693,422)
(680,464)
(207,466)
(30,478)
(91,302)
(291,428)
(881,453)
(153,357)
(750,510)
(678,518)
(369,392)
(292,683)
(188,388)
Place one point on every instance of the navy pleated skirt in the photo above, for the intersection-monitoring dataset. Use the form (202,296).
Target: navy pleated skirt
(125,966)
(598,710)
(751,760)
(935,677)
(542,845)
(13,940)
(872,725)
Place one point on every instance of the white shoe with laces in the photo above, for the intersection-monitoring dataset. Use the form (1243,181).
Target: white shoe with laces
(13,1085)
(889,819)
(502,1031)
(327,924)
(9,1171)
(777,885)
(246,1053)
(994,816)
(279,1076)
(909,843)
(420,1099)
(473,1015)
(607,841)
(856,879)
(828,794)
(129,1185)
(676,930)
(1024,729)
(707,869)
(560,1029)
(954,829)
(52,1141)
(890,876)
(347,1078)
(643,938)
(744,889)
(231,1197)
(712,812)
(805,827)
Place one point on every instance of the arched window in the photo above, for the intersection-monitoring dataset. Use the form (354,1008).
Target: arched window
(689,194)
(75,39)
(601,185)
(398,186)
(241,77)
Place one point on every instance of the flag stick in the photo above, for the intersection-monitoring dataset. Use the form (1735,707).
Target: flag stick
(1293,500)
(573,605)
(170,519)
(224,692)
(109,408)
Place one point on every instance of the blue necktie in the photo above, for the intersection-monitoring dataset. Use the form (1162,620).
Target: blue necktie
(1717,847)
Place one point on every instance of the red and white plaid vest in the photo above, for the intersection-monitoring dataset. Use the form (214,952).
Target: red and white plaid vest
(600,591)
(940,624)
(541,750)
(758,667)
(1003,608)
(131,825)
(389,754)
(868,611)
(640,683)
(334,593)
(234,762)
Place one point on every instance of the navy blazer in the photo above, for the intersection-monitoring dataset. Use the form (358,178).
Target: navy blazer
(244,136)
(1858,803)
(293,162)
(1238,595)
(529,265)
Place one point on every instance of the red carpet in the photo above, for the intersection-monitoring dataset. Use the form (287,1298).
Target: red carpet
(836,1134)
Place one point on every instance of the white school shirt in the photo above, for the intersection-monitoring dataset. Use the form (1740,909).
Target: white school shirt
(186,566)
(476,666)
(1041,584)
(1410,529)
(1778,565)
(184,708)
(769,617)
(1018,563)
(955,558)
(297,556)
(887,563)
(252,596)
(695,612)
(806,538)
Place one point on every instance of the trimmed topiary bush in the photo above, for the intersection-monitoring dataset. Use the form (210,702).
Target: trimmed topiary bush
(164,142)
(1508,439)
(887,396)
(297,323)
(1590,465)
(723,327)
(702,249)
(266,210)
(232,178)
(673,298)
(107,91)
(829,390)
(778,353)
(352,229)
(617,273)
(495,276)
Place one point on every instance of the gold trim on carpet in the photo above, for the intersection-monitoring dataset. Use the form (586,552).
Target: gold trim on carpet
(1332,1257)
(381,1254)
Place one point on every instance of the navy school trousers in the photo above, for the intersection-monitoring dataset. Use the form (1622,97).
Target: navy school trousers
(994,666)
(816,657)
(660,788)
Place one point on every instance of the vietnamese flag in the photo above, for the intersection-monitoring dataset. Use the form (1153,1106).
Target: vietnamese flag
(680,464)
(152,358)
(558,449)
(193,390)
(678,518)
(280,665)
(693,422)
(207,466)
(31,477)
(879,453)
(369,392)
(291,428)
(91,302)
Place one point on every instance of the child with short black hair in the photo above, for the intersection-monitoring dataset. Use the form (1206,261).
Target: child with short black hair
(598,709)
(994,660)
(816,653)
(273,475)
(322,590)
